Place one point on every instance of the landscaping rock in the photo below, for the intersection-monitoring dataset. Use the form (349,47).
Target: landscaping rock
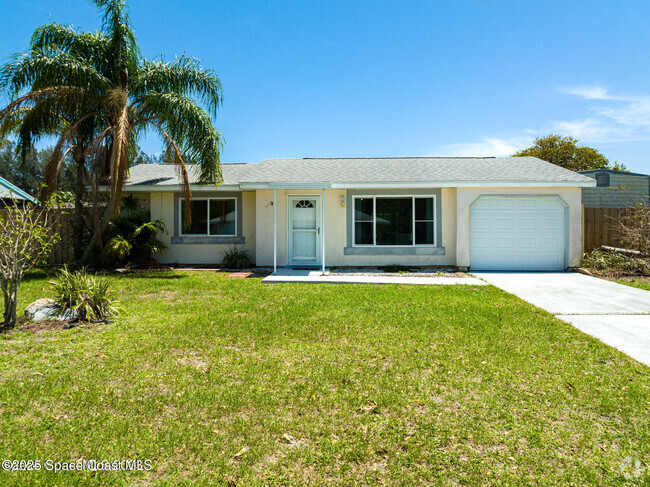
(47,310)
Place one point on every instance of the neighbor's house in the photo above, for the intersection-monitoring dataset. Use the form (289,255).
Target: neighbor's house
(616,189)
(11,194)
(479,213)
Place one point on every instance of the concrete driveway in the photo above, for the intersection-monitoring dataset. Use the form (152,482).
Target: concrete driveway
(616,314)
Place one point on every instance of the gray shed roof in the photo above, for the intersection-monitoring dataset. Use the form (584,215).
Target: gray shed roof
(375,172)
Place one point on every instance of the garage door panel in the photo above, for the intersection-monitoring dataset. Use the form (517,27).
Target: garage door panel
(552,243)
(517,233)
(552,221)
(504,204)
(528,223)
(483,223)
(528,243)
(552,204)
(528,204)
(504,243)
(505,223)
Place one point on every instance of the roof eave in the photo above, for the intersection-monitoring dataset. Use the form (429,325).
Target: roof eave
(143,188)
(588,182)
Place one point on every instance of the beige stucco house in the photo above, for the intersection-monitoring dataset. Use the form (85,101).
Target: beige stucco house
(471,213)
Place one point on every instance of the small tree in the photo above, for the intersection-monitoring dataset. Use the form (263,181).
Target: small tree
(565,152)
(26,239)
(633,229)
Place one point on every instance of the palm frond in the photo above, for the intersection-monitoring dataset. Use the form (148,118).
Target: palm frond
(65,94)
(190,127)
(56,36)
(183,76)
(118,248)
(39,69)
(123,51)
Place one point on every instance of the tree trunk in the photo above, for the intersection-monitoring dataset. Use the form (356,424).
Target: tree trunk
(10,291)
(79,226)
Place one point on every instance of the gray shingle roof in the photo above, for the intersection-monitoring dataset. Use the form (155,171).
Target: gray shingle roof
(420,170)
(167,174)
(410,170)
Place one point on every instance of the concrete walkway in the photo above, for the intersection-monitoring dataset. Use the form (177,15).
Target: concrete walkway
(616,314)
(295,275)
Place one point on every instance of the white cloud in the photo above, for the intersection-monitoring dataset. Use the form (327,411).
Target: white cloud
(488,146)
(609,118)
(588,92)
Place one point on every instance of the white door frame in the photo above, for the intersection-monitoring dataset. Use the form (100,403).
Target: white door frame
(319,218)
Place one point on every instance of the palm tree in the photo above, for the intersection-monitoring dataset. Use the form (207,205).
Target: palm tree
(97,93)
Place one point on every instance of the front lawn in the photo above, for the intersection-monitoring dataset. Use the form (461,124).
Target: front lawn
(229,381)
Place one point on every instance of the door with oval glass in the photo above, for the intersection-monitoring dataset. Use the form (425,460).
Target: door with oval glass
(304,237)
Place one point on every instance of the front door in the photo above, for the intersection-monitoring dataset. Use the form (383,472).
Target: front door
(304,231)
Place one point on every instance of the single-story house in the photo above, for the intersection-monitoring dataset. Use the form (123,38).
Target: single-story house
(11,194)
(472,213)
(616,189)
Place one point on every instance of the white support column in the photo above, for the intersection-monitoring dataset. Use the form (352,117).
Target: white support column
(322,216)
(275,233)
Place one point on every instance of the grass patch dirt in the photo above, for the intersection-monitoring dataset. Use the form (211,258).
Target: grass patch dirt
(642,282)
(222,381)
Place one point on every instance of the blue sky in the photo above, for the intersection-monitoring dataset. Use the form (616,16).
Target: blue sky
(399,78)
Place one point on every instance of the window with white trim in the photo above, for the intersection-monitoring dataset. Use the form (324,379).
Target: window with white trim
(210,217)
(394,221)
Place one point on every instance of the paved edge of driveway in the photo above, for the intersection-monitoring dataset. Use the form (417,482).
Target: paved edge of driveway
(569,293)
(615,314)
(628,333)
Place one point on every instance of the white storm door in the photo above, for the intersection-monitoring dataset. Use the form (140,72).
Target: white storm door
(304,230)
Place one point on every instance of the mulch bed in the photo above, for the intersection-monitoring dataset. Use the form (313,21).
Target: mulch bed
(41,326)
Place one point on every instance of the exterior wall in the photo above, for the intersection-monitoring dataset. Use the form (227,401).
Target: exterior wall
(624,190)
(163,207)
(336,230)
(466,196)
(257,228)
(144,200)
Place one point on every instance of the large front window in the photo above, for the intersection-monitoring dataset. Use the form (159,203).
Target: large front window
(211,216)
(394,220)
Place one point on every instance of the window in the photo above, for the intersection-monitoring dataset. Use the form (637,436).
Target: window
(394,221)
(602,180)
(211,217)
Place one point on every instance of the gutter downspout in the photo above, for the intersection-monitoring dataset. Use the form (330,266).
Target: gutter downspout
(275,234)
(322,217)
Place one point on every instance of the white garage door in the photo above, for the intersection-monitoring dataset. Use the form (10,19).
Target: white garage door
(517,233)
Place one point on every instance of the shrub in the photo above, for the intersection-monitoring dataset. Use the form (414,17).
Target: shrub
(633,229)
(133,237)
(26,239)
(88,295)
(236,259)
(616,263)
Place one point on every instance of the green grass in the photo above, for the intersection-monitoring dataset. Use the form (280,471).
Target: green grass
(230,381)
(640,283)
